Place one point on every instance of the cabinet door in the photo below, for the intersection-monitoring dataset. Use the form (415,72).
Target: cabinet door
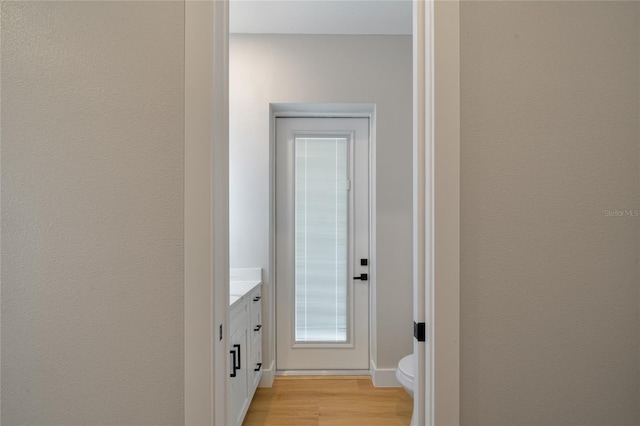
(238,390)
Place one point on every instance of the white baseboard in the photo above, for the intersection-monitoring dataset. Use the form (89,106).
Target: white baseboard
(381,377)
(322,373)
(266,381)
(384,377)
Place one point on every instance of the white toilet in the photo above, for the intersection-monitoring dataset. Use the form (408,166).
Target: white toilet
(404,373)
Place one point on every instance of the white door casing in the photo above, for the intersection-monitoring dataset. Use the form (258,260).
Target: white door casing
(436,112)
(206,206)
(310,350)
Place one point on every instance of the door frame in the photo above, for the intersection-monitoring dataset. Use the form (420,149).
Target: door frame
(206,206)
(310,110)
(436,64)
(436,175)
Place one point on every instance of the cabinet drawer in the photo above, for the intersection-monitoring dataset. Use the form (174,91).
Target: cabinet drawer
(255,372)
(255,298)
(255,336)
(256,322)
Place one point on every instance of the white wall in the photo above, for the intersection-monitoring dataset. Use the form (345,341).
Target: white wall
(326,69)
(92,213)
(549,284)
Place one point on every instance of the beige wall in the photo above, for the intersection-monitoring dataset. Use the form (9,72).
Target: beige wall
(327,69)
(92,213)
(549,282)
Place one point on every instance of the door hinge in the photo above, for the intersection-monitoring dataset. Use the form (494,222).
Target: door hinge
(419,331)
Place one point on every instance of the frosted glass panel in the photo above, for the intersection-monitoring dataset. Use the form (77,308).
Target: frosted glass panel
(321,239)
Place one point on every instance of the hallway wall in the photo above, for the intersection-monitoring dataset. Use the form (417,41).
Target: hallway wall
(550,330)
(92,324)
(327,69)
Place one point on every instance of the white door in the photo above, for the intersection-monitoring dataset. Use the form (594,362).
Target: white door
(322,243)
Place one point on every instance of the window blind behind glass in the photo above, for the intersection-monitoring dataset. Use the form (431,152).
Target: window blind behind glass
(321,221)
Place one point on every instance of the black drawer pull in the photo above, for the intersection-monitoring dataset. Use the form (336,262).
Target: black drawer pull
(255,299)
(258,367)
(258,327)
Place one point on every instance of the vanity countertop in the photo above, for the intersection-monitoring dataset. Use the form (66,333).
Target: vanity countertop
(242,281)
(237,289)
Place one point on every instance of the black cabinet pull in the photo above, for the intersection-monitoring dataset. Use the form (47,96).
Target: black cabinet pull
(233,366)
(258,327)
(238,366)
(363,277)
(258,367)
(255,299)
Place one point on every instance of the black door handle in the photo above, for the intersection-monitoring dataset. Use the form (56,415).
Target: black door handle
(255,299)
(238,366)
(258,367)
(258,327)
(363,277)
(233,373)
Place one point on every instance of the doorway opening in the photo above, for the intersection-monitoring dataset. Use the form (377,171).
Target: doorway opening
(338,76)
(206,203)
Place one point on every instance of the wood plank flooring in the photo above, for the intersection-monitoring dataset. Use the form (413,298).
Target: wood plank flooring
(328,401)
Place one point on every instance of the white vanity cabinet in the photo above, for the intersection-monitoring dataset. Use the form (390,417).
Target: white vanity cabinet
(245,346)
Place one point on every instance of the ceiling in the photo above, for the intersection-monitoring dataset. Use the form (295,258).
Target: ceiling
(321,16)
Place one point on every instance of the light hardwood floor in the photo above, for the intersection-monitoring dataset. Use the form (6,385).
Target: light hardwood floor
(328,401)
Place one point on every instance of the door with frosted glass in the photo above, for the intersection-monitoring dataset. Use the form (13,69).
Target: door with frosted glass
(322,243)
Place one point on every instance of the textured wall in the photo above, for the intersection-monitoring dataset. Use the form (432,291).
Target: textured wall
(92,199)
(549,282)
(327,69)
